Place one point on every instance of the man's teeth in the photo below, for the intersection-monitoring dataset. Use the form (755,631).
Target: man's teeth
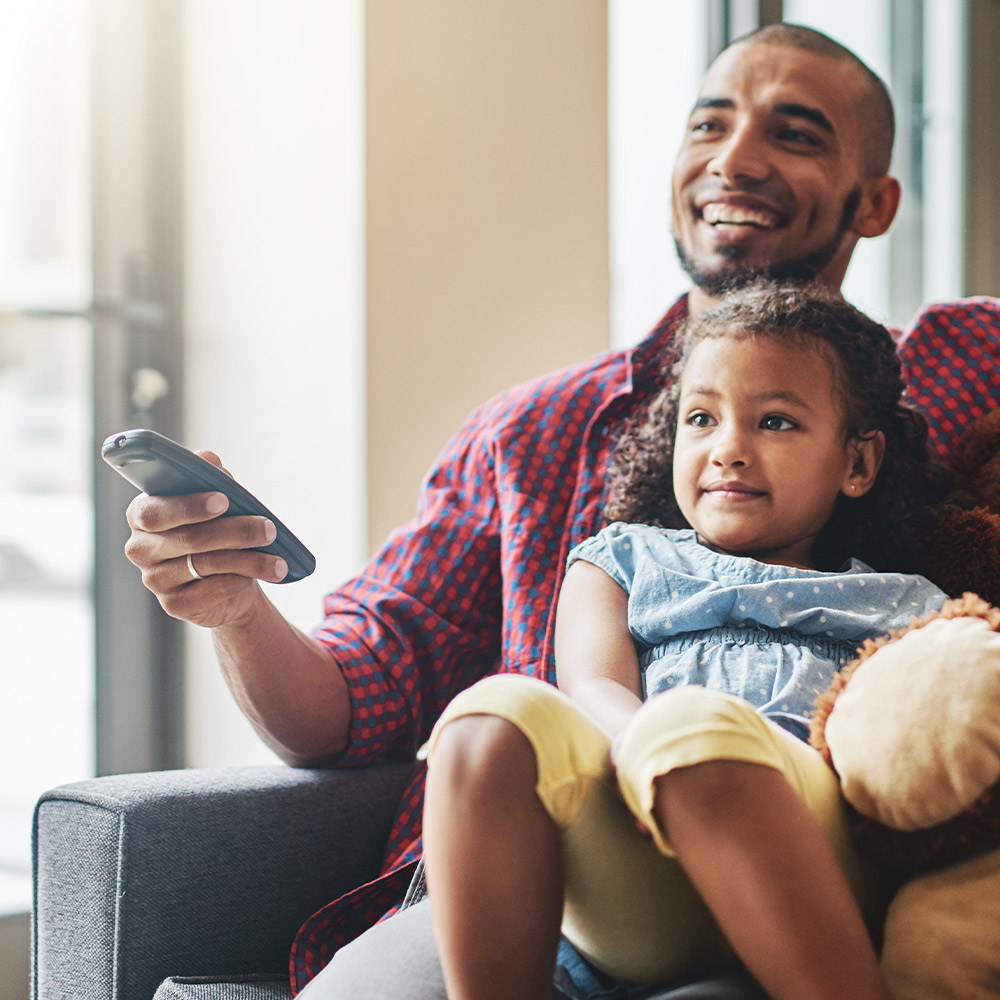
(720,214)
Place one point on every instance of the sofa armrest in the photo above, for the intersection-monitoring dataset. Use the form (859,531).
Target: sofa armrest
(138,877)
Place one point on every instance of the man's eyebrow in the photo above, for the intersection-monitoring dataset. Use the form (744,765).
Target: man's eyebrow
(713,102)
(810,114)
(788,108)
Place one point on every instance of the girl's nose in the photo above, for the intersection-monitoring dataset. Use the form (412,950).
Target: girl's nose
(729,450)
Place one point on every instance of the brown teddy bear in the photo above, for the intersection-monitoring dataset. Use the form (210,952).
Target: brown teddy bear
(912,728)
(962,552)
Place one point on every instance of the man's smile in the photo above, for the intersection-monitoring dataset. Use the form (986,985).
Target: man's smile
(735,211)
(721,213)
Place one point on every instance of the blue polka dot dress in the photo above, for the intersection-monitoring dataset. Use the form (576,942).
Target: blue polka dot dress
(773,635)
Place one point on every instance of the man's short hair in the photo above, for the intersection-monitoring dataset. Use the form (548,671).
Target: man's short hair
(880,120)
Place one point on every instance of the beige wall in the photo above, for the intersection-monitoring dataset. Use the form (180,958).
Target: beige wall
(487,215)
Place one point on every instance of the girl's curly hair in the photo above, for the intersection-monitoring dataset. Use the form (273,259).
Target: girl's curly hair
(884,527)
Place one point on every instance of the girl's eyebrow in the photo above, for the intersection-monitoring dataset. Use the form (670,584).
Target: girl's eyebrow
(772,395)
(785,396)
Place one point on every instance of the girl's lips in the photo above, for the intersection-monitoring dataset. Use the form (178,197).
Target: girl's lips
(734,491)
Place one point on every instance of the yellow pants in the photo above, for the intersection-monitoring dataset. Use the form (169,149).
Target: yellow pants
(629,908)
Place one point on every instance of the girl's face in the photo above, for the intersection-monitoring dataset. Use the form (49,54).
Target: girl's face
(760,454)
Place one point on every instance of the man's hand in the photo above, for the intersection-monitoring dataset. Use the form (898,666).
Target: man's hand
(285,682)
(174,538)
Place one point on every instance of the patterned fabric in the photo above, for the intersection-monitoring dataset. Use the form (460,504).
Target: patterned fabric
(468,587)
(951,365)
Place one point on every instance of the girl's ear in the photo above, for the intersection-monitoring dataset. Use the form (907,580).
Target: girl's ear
(865,453)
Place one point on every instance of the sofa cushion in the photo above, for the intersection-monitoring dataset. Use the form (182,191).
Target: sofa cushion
(246,987)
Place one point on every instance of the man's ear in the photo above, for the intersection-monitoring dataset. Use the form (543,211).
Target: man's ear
(866,452)
(879,202)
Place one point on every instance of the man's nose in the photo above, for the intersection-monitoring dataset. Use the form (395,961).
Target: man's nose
(741,156)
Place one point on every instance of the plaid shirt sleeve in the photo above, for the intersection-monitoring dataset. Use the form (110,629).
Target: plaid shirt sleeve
(422,621)
(951,365)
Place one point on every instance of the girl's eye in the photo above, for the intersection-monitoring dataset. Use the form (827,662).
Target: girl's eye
(775,423)
(700,420)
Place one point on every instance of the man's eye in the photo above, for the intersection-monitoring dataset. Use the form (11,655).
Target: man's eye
(796,135)
(776,423)
(704,125)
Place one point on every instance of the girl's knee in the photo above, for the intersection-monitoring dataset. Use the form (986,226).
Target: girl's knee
(699,707)
(483,765)
(481,746)
(509,727)
(682,728)
(691,724)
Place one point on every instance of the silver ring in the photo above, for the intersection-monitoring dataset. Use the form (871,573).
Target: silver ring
(195,575)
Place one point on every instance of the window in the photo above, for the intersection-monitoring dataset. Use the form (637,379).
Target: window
(46,512)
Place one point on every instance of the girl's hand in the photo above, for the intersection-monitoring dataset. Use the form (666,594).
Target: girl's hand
(613,761)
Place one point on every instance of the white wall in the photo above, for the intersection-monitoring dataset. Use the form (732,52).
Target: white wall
(863,27)
(657,54)
(274,311)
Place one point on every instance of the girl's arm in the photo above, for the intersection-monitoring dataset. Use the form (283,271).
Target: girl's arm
(596,661)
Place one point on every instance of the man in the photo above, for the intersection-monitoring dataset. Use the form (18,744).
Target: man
(782,169)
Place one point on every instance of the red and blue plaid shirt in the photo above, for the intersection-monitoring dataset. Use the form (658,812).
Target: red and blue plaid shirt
(469,586)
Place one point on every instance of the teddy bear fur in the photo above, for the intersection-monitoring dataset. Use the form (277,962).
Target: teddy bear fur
(962,551)
(962,556)
(975,460)
(905,852)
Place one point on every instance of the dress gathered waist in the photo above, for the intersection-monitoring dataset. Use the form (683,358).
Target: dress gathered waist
(839,651)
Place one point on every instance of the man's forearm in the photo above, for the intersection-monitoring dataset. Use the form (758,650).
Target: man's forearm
(287,684)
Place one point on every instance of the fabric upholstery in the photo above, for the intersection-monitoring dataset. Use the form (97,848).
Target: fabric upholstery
(189,885)
(195,873)
(262,987)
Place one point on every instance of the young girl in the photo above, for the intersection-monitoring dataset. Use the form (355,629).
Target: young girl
(662,808)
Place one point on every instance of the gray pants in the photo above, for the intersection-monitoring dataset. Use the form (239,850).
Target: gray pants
(398,960)
(394,960)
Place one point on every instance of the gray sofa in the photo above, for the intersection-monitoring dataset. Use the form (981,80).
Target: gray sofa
(190,885)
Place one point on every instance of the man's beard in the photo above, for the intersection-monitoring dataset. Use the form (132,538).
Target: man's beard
(797,270)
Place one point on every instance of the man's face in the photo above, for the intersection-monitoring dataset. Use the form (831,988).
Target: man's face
(770,173)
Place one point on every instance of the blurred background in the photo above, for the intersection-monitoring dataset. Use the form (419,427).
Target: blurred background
(312,235)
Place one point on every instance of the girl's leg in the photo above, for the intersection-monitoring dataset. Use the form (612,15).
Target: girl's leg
(755,818)
(493,862)
(523,826)
(762,864)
